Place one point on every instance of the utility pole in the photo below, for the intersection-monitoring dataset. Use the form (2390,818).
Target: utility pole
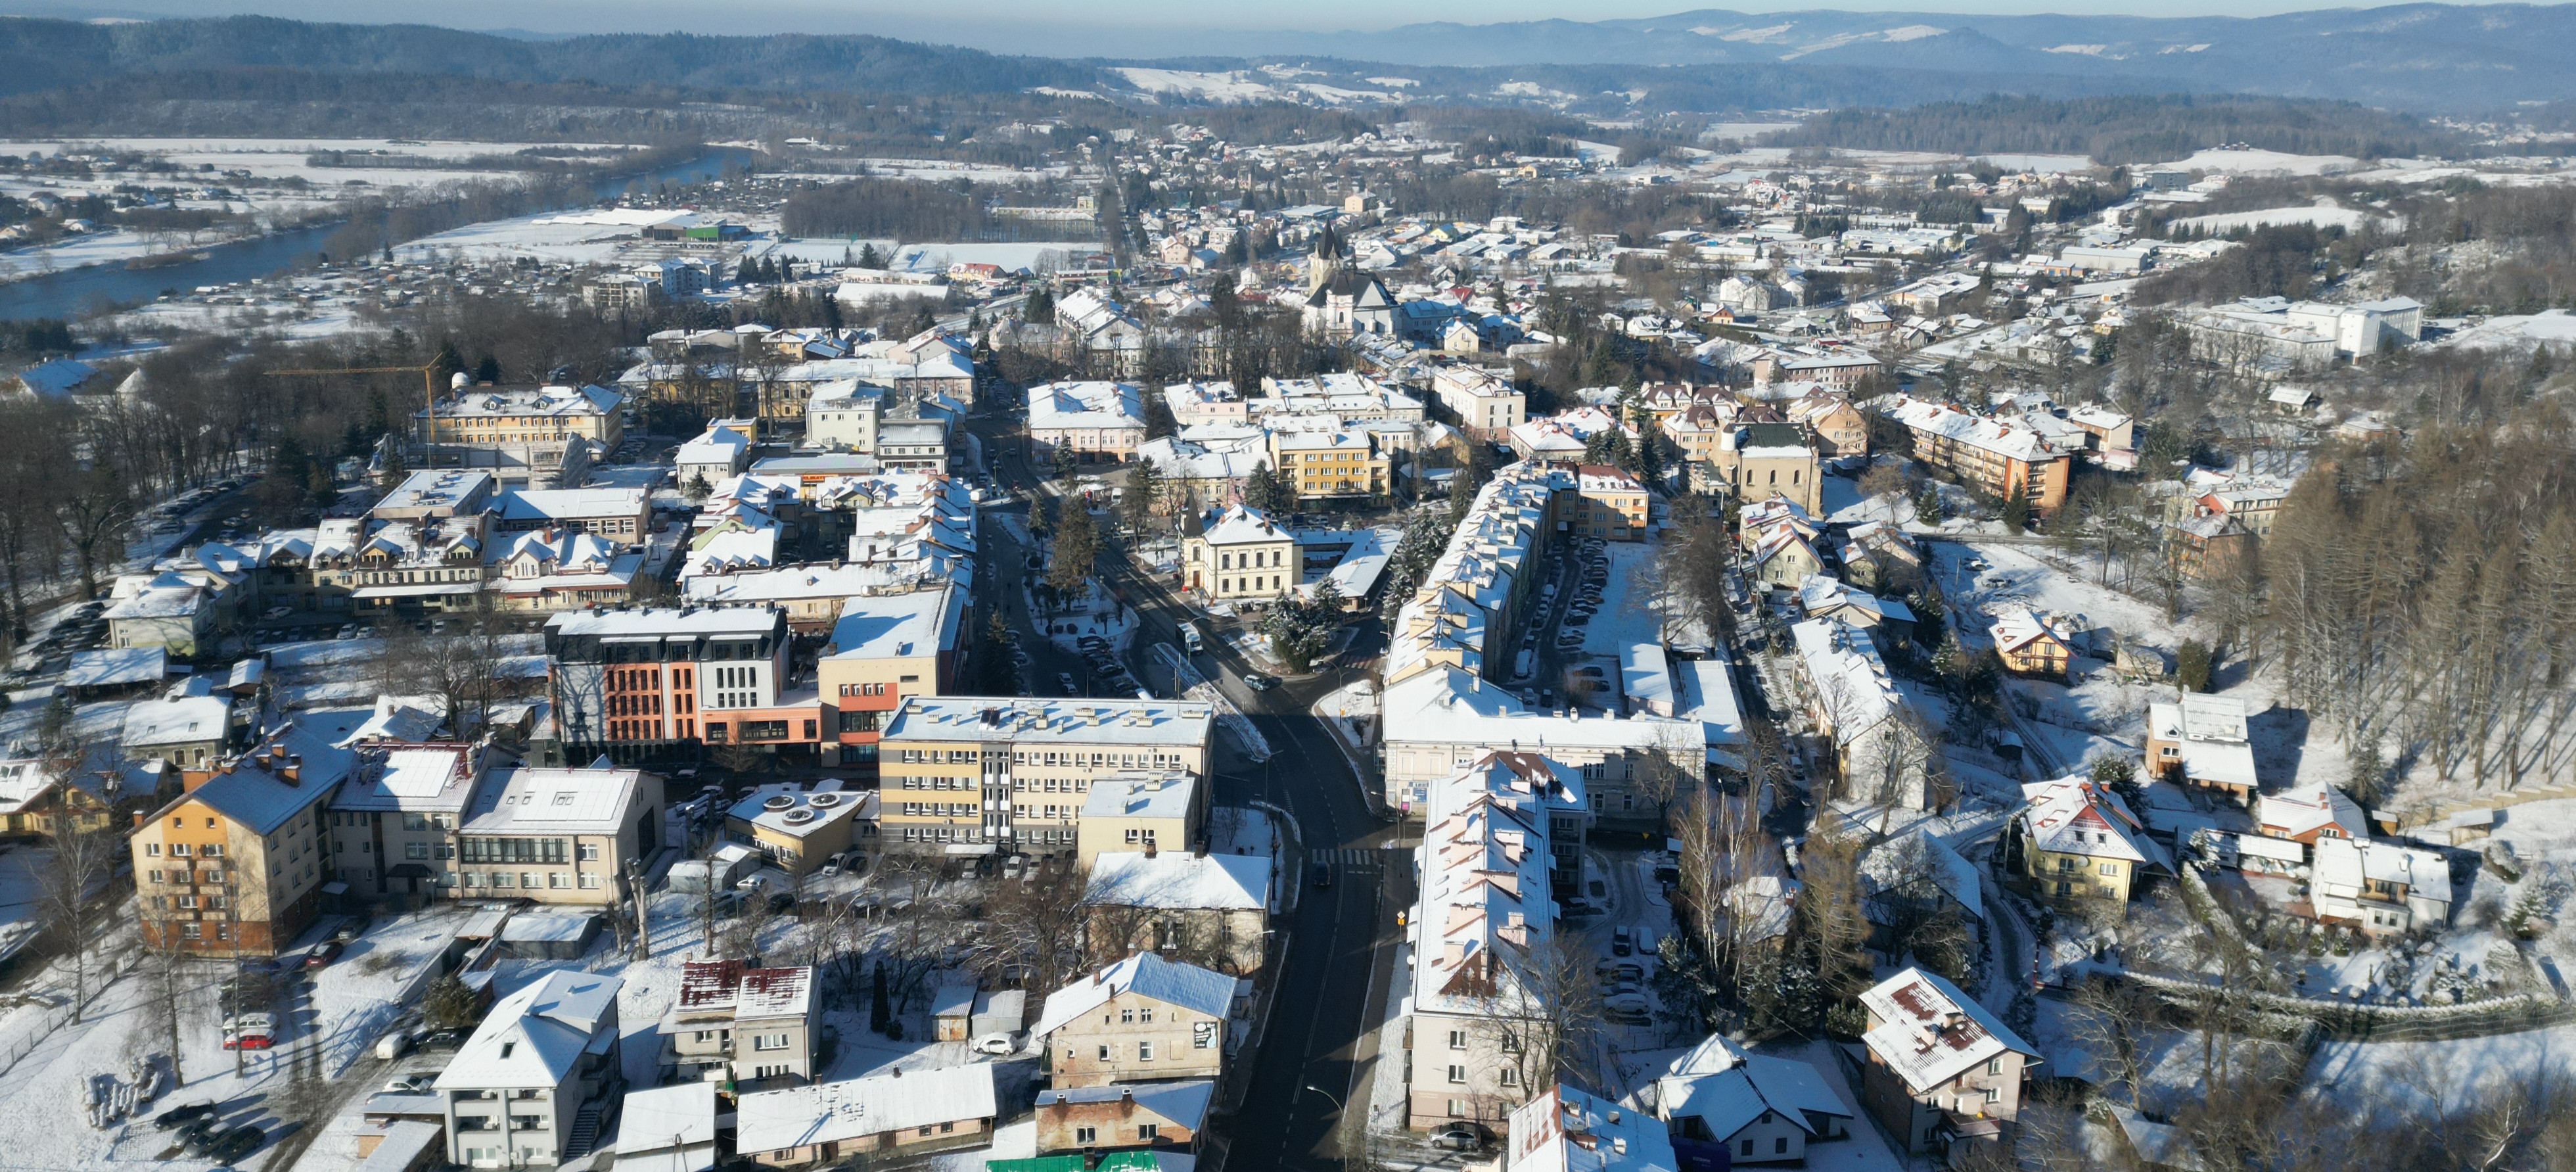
(635,892)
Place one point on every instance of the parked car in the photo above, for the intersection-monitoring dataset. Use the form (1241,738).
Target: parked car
(1002,1043)
(1258,682)
(443,1040)
(1622,941)
(237,1143)
(410,1084)
(1462,1136)
(323,953)
(178,1115)
(249,1031)
(1064,680)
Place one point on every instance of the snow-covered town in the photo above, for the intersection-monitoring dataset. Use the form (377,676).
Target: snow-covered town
(1038,614)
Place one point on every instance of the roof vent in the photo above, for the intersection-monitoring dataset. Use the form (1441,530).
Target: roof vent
(780,802)
(799,817)
(824,801)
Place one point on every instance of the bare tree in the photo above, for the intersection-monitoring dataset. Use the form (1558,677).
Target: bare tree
(1033,930)
(67,890)
(1543,1011)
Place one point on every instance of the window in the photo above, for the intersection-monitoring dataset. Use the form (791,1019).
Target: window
(1086,1135)
(153,849)
(1780,1145)
(1457,1108)
(1148,1132)
(588,852)
(590,880)
(2111,869)
(1144,1051)
(1104,1053)
(1748,1147)
(769,1041)
(1457,1039)
(1511,1076)
(415,850)
(1457,1073)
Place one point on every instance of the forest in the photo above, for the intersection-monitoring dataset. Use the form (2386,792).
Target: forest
(2119,131)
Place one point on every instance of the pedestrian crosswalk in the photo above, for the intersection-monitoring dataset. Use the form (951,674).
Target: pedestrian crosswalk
(1352,856)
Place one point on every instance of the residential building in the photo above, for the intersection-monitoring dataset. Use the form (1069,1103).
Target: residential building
(1566,1130)
(393,825)
(1329,464)
(1841,369)
(1096,421)
(621,515)
(718,454)
(173,609)
(1143,1019)
(1156,1116)
(539,1078)
(2310,812)
(191,726)
(843,414)
(559,836)
(800,828)
(884,647)
(1194,404)
(1483,915)
(2000,457)
(2202,740)
(922,1109)
(235,864)
(1911,877)
(1837,428)
(1486,406)
(1878,744)
(913,445)
(1756,461)
(1209,908)
(1142,810)
(1608,503)
(525,437)
(1239,552)
(645,681)
(1943,1073)
(2380,888)
(970,775)
(39,795)
(2030,644)
(2080,846)
(1345,397)
(663,1129)
(754,1028)
(1761,1109)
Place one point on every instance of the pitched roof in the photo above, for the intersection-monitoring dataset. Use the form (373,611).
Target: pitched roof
(2074,816)
(532,1037)
(1146,975)
(1929,1032)
(1184,1102)
(1174,880)
(828,1112)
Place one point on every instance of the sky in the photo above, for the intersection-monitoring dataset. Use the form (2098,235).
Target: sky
(1043,26)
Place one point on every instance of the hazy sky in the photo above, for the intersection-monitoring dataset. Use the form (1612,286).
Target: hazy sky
(1025,24)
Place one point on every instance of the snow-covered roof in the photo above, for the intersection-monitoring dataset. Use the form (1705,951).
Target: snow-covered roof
(917,623)
(1567,1130)
(532,1038)
(1146,975)
(1729,1089)
(1184,1102)
(831,1112)
(2309,809)
(552,504)
(1849,678)
(1048,721)
(1242,524)
(742,992)
(2348,863)
(1918,855)
(784,807)
(1484,903)
(1929,1032)
(417,778)
(1175,880)
(113,666)
(678,1116)
(177,720)
(2219,754)
(667,622)
(548,401)
(2018,627)
(1142,794)
(1086,405)
(2010,438)
(2074,816)
(529,800)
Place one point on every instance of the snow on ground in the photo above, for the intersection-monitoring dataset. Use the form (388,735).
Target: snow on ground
(2264,163)
(2410,1071)
(1213,87)
(114,246)
(2326,216)
(2041,164)
(2556,327)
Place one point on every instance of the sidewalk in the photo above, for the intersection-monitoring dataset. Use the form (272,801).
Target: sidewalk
(1362,759)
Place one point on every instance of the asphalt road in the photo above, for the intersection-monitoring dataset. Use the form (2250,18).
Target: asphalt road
(1317,1052)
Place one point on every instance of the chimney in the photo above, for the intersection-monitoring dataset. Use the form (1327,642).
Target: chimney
(1149,848)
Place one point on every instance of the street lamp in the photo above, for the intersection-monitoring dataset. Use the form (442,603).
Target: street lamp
(1337,1103)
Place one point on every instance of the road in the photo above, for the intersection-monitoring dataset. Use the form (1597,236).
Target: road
(1317,1051)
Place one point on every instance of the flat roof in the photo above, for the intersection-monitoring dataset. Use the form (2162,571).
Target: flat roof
(1043,721)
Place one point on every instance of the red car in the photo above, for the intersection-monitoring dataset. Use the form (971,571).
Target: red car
(322,954)
(249,1031)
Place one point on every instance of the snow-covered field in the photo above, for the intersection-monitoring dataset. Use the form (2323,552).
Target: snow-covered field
(2348,219)
(2251,162)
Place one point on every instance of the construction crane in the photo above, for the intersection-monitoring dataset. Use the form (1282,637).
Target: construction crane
(428,394)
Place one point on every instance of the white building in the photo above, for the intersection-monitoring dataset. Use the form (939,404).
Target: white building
(537,1079)
(2381,888)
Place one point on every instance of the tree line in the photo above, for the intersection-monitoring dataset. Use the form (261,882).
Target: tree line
(2125,129)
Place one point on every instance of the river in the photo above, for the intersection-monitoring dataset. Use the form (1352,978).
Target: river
(74,292)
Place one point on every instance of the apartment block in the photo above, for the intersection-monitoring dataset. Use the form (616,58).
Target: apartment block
(971,775)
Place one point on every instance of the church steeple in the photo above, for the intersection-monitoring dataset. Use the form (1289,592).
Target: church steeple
(1326,260)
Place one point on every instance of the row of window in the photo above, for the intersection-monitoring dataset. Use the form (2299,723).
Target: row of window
(1047,758)
(556,880)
